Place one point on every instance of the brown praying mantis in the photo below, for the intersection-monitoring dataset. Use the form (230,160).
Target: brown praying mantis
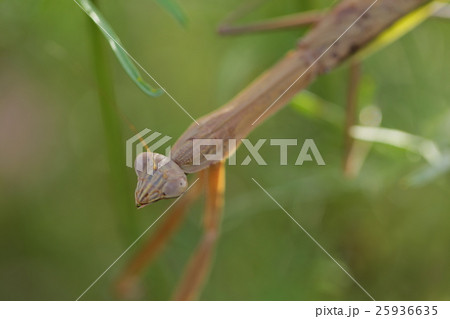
(337,35)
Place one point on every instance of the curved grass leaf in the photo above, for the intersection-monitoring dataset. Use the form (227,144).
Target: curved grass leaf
(114,41)
(174,9)
(438,163)
(413,143)
(430,172)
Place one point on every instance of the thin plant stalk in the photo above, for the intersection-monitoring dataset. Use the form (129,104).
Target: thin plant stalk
(113,136)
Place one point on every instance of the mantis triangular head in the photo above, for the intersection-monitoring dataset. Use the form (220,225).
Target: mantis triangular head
(158,177)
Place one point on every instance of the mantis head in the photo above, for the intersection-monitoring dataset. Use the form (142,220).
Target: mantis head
(158,177)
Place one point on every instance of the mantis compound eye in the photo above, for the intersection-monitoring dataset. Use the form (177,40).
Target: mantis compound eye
(158,177)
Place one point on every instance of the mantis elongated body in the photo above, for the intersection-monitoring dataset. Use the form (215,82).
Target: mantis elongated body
(341,33)
(346,29)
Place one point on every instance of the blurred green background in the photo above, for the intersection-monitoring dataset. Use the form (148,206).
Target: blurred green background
(62,219)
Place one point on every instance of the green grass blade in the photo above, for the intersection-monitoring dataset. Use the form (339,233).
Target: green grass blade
(401,27)
(114,41)
(310,105)
(174,9)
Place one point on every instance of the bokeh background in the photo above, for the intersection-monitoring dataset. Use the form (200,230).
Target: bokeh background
(64,218)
